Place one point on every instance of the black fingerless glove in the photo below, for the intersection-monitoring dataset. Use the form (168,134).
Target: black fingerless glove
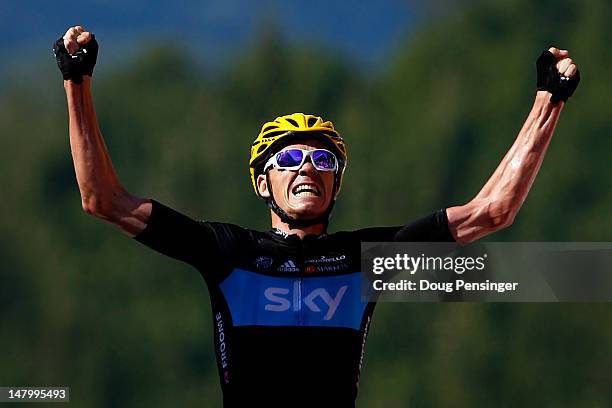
(82,62)
(549,79)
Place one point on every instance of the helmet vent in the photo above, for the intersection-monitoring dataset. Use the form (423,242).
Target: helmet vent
(293,122)
(329,134)
(271,135)
(312,121)
(262,147)
(269,128)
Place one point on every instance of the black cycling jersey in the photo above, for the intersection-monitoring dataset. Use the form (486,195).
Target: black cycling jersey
(289,322)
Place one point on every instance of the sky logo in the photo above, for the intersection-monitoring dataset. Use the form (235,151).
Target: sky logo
(256,299)
(280,302)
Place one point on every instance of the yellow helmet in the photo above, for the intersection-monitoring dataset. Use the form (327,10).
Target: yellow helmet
(291,128)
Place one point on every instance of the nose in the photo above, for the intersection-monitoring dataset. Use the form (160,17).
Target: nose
(307,168)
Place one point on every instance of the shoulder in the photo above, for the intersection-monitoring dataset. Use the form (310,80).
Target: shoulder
(378,234)
(230,237)
(224,230)
(430,228)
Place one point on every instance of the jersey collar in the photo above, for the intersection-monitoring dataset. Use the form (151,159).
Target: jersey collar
(294,237)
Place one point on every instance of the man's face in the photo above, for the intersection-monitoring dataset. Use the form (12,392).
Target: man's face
(304,193)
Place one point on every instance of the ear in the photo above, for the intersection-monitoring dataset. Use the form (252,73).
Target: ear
(262,186)
(336,186)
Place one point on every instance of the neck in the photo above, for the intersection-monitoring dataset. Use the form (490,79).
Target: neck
(301,232)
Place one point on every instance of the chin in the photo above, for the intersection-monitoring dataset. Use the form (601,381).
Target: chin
(306,208)
(306,212)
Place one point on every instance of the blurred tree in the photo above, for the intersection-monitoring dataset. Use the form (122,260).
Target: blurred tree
(83,306)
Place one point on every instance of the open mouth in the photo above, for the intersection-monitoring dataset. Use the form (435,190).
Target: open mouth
(306,190)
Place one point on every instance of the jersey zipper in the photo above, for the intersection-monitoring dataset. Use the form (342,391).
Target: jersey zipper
(300,260)
(300,283)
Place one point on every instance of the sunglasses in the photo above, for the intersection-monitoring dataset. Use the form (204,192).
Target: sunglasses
(293,159)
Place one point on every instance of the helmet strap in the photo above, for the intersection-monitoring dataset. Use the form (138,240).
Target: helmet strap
(293,222)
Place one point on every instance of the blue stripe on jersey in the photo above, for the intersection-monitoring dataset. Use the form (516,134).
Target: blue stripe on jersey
(261,300)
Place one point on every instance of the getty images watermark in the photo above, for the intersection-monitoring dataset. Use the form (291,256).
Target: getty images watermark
(483,272)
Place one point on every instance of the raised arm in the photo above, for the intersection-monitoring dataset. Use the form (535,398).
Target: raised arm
(102,195)
(498,202)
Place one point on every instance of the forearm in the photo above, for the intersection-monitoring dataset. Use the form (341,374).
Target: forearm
(515,174)
(101,193)
(97,180)
(498,202)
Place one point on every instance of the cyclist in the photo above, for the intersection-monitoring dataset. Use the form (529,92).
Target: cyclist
(289,322)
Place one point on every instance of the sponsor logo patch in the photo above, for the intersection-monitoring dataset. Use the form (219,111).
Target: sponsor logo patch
(288,266)
(281,299)
(326,259)
(263,262)
(327,264)
(255,299)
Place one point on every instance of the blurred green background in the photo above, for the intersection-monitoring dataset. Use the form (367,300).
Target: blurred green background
(81,305)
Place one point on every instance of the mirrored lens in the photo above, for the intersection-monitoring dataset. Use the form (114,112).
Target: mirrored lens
(289,158)
(323,160)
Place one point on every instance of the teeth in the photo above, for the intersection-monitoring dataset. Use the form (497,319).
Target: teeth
(306,190)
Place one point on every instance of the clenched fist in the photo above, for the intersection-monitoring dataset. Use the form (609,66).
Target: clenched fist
(76,53)
(557,74)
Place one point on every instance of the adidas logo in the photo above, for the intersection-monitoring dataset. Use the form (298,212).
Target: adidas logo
(288,266)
